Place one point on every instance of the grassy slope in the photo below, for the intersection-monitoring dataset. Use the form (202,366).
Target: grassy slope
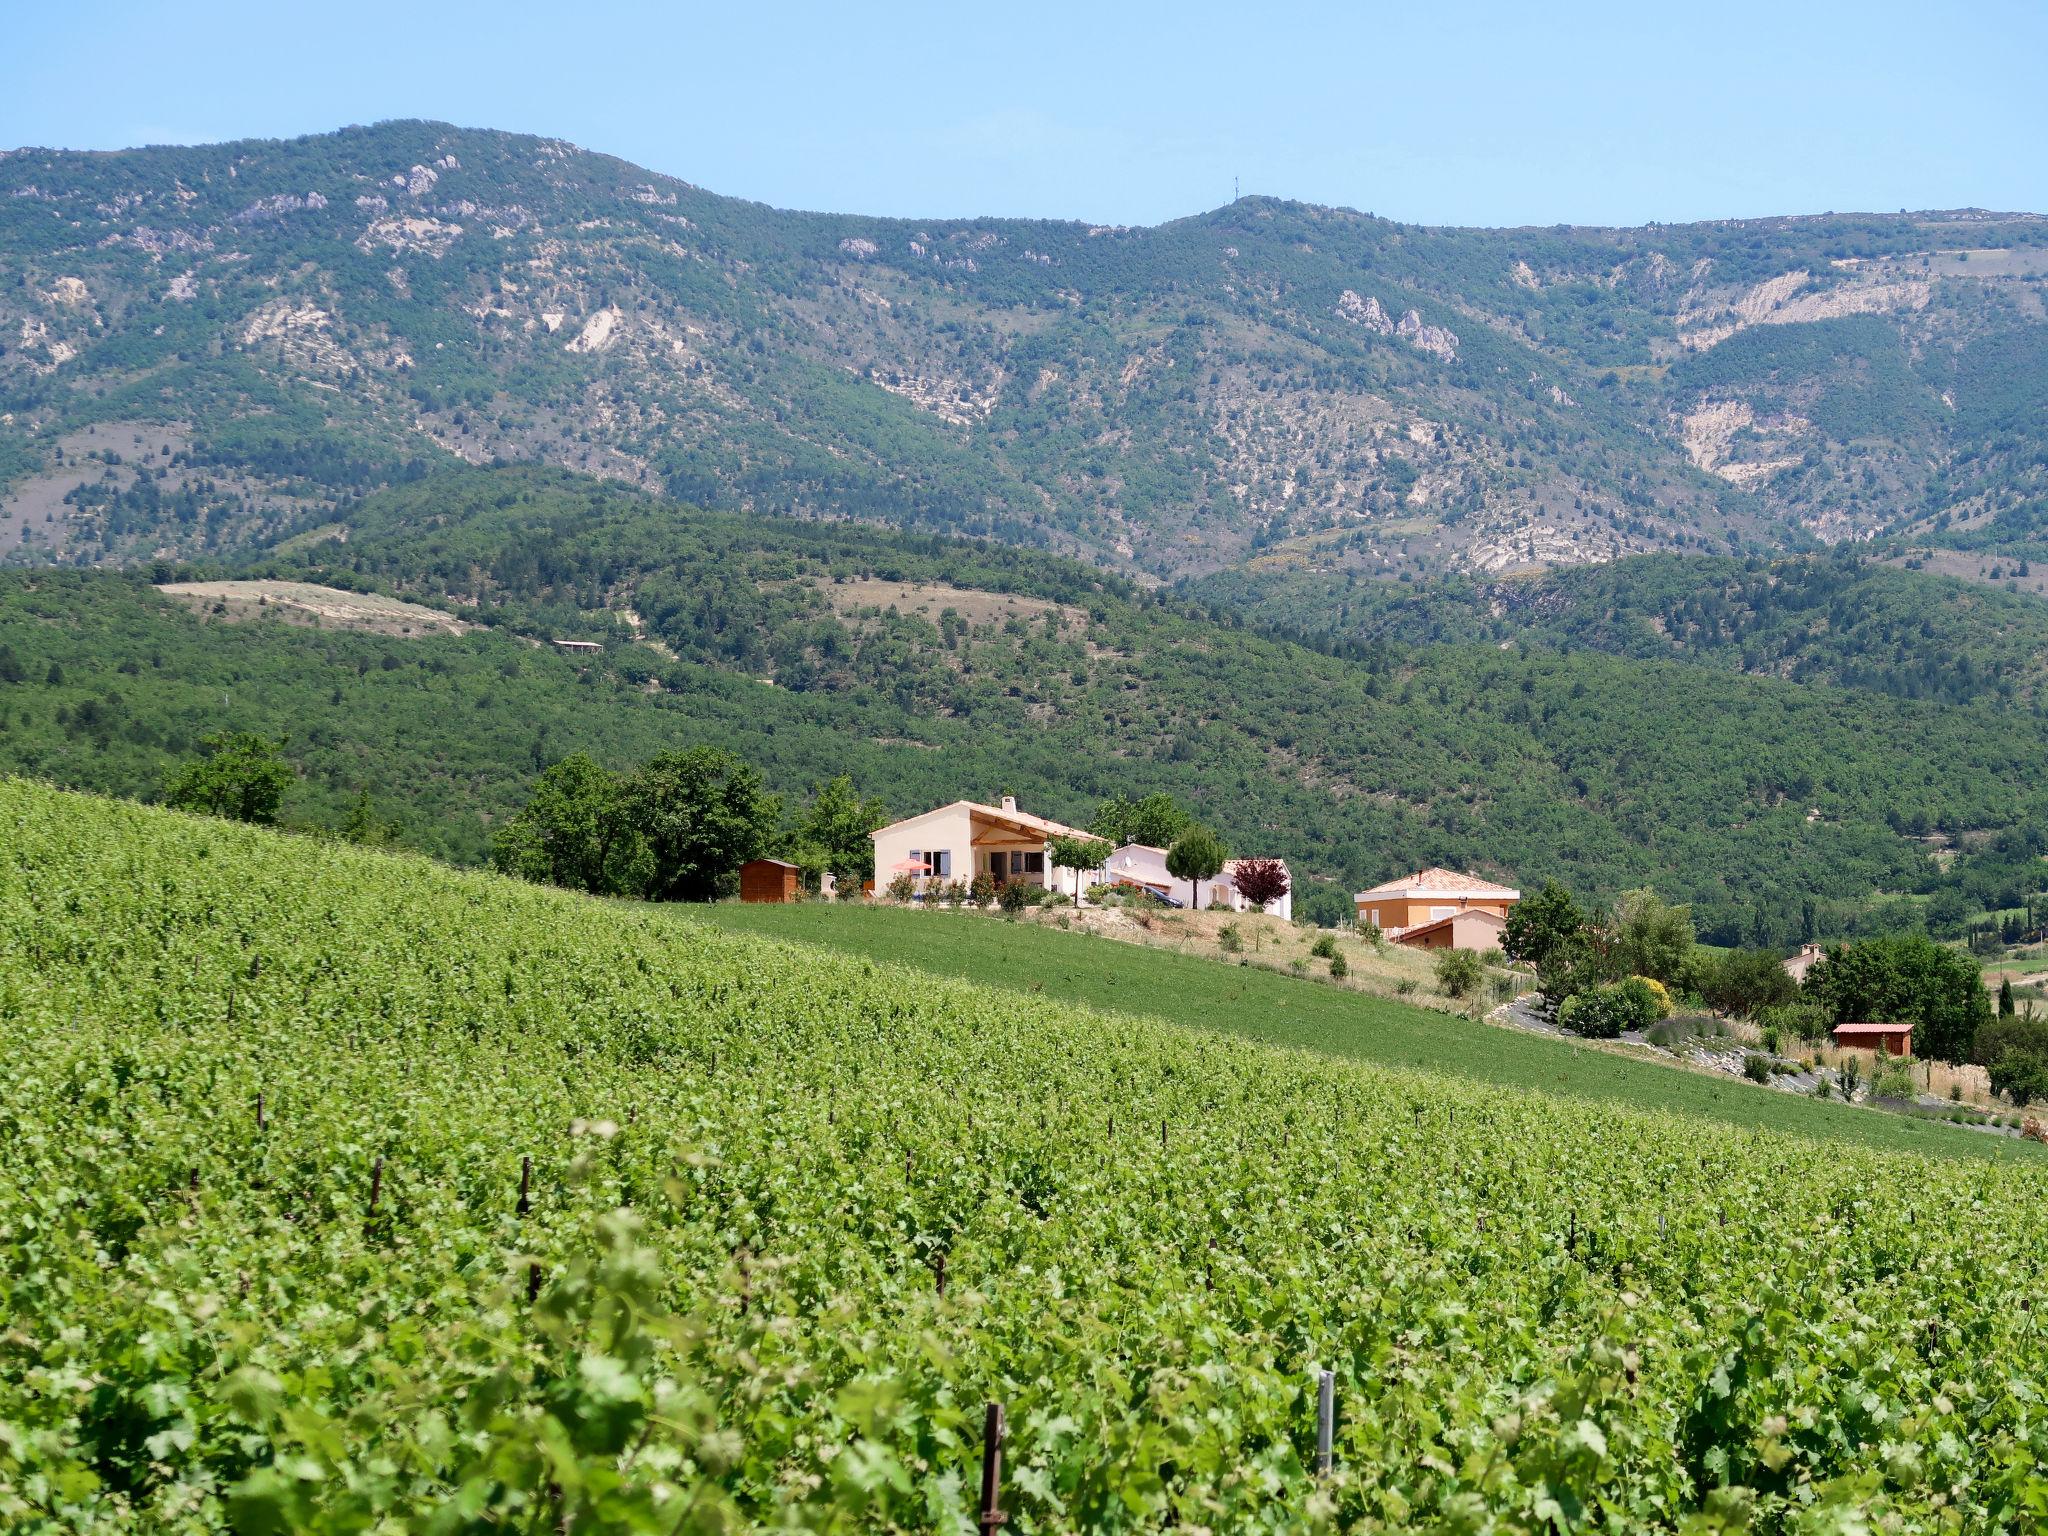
(1262,1005)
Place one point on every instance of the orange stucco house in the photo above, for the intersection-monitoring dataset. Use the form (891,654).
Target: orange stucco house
(1439,909)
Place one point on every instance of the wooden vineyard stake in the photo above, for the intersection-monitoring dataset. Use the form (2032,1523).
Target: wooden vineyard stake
(376,1184)
(525,1184)
(261,1121)
(532,1282)
(1326,1420)
(992,1517)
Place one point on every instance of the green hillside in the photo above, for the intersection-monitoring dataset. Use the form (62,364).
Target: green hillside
(1032,961)
(792,1217)
(931,669)
(286,325)
(1842,618)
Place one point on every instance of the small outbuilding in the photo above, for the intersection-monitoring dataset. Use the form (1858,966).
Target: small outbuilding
(1886,1039)
(1476,928)
(770,880)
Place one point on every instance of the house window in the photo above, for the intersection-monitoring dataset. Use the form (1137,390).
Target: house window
(1027,863)
(1374,914)
(941,861)
(1437,912)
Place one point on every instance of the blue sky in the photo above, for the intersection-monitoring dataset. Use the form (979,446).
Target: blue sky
(1445,113)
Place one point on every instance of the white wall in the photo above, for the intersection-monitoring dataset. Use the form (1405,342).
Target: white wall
(949,828)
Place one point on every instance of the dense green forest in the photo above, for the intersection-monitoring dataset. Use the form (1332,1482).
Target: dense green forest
(1844,617)
(1779,808)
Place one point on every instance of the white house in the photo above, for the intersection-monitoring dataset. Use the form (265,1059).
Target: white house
(965,839)
(1142,865)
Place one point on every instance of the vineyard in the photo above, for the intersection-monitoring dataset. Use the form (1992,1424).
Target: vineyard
(341,1192)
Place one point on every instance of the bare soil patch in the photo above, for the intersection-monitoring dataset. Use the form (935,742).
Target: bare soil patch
(930,599)
(299,602)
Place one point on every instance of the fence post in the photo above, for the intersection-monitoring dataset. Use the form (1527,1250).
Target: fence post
(1326,1419)
(992,1516)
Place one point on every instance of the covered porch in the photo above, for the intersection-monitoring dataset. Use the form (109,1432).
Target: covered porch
(1007,849)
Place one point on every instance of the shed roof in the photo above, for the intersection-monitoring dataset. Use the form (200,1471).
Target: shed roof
(1873,1029)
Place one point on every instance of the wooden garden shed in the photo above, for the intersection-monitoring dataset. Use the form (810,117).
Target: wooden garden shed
(770,880)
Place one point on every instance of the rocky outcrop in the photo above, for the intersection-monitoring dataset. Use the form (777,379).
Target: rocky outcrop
(1434,339)
(1709,433)
(859,249)
(1782,300)
(599,331)
(265,209)
(410,234)
(1368,313)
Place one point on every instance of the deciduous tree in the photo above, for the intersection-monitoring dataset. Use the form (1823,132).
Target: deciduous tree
(243,777)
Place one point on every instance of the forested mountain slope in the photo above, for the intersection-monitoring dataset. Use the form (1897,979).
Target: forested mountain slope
(278,327)
(932,670)
(1842,617)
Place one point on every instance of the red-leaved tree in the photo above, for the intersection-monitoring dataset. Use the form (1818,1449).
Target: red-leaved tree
(1259,881)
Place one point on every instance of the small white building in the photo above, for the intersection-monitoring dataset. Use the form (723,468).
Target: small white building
(1142,865)
(966,839)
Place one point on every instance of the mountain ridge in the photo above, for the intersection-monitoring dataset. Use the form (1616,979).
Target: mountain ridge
(1266,380)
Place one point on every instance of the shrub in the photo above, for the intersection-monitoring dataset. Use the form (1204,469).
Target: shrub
(1324,947)
(1458,972)
(1660,995)
(1800,1020)
(1229,939)
(901,888)
(1338,968)
(1756,1068)
(1603,1013)
(983,890)
(1014,897)
(1405,986)
(1894,1081)
(1369,931)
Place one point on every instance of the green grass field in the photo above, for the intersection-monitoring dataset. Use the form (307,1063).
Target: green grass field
(1024,958)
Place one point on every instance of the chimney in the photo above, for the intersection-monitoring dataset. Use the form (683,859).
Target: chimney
(1009,802)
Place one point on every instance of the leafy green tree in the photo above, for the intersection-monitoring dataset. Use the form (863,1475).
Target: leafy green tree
(1157,821)
(1906,979)
(2005,1003)
(1196,855)
(1552,933)
(577,830)
(243,777)
(703,813)
(837,824)
(364,827)
(1745,981)
(2014,1054)
(1078,854)
(1651,937)
(1538,924)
